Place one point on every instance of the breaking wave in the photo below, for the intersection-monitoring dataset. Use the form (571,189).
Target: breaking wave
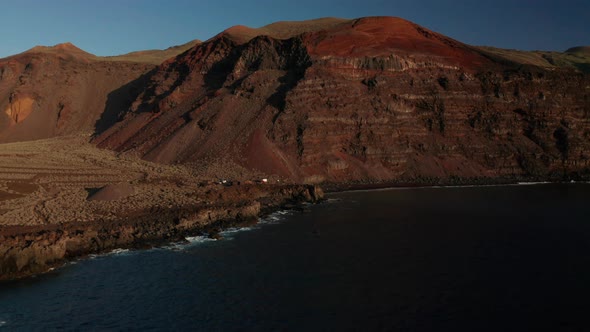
(227,234)
(114,252)
(532,183)
(275,217)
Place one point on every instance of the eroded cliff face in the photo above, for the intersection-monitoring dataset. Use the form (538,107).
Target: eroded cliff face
(371,100)
(437,122)
(62,90)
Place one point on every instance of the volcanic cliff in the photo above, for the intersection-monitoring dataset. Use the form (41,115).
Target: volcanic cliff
(370,99)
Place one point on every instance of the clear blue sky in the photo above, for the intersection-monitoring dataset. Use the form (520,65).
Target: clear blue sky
(109,27)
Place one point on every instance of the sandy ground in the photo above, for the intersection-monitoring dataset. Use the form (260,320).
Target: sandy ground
(54,181)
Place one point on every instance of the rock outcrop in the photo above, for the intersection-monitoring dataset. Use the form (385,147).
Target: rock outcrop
(26,250)
(372,99)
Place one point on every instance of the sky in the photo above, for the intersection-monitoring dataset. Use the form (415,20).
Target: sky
(112,27)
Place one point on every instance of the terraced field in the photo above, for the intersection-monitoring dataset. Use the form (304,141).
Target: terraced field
(52,181)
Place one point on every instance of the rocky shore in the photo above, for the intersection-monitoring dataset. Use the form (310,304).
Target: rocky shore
(63,199)
(29,250)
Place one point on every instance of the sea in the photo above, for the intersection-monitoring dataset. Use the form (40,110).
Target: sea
(497,258)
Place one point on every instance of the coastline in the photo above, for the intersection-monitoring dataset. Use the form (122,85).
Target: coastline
(445,183)
(30,250)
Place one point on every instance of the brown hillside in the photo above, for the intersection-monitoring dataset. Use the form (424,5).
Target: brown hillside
(369,99)
(154,56)
(376,98)
(574,58)
(62,90)
(65,51)
(385,36)
(52,91)
(579,50)
(281,30)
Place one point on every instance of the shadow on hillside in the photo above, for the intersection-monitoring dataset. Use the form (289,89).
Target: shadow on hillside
(119,102)
(583,67)
(148,91)
(220,70)
(151,98)
(287,82)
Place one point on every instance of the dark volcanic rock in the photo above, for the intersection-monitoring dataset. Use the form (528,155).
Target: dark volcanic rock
(374,99)
(26,250)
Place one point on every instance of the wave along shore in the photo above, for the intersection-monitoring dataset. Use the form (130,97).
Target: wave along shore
(29,250)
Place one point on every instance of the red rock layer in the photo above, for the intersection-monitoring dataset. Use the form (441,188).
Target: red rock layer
(369,99)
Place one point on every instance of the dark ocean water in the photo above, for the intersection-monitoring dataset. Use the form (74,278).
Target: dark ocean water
(513,258)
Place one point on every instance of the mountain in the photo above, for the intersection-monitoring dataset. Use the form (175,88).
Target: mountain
(377,98)
(337,100)
(577,58)
(581,50)
(58,90)
(280,30)
(65,51)
(375,36)
(155,57)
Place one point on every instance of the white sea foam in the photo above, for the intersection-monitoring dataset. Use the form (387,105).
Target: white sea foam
(119,252)
(227,234)
(235,230)
(275,217)
(531,183)
(270,220)
(459,186)
(114,252)
(191,241)
(3,323)
(199,239)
